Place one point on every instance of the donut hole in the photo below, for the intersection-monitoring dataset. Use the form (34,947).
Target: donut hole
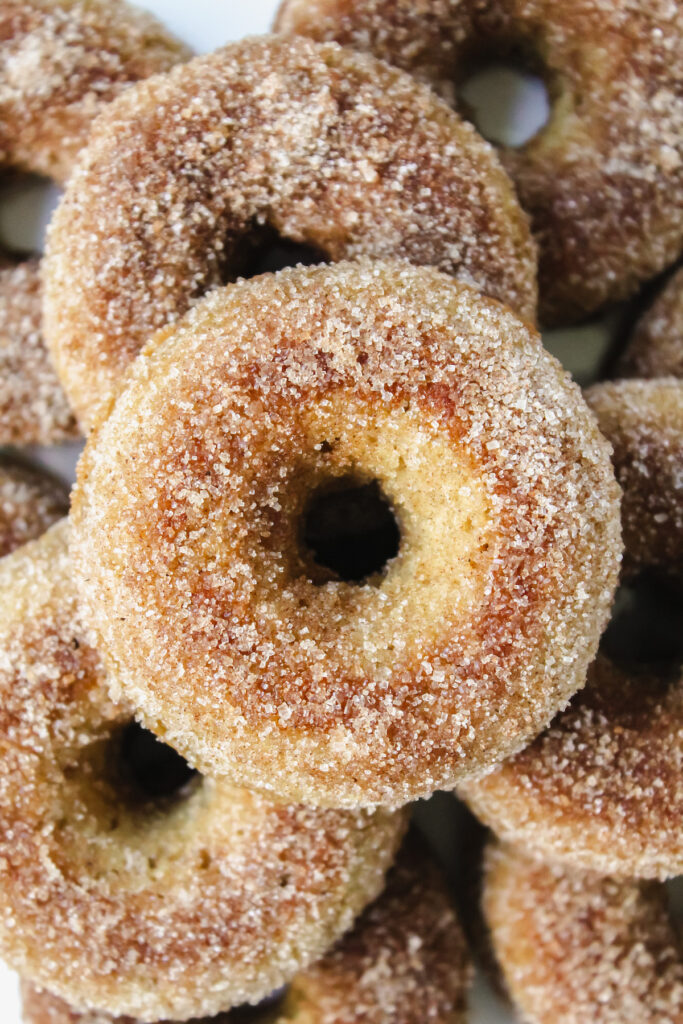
(349,528)
(674,894)
(27,202)
(645,628)
(148,771)
(265,252)
(507,100)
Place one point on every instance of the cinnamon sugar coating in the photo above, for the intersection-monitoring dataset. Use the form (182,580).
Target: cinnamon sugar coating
(33,406)
(602,788)
(172,907)
(577,948)
(61,62)
(603,181)
(235,644)
(327,148)
(656,347)
(404,962)
(643,420)
(31,500)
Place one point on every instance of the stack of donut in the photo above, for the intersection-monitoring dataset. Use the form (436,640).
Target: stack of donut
(344,534)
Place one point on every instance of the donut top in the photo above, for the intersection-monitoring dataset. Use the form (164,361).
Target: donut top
(61,61)
(30,502)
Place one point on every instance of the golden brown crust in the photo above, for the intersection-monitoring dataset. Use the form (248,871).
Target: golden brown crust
(603,182)
(327,147)
(33,406)
(602,788)
(61,62)
(348,694)
(148,908)
(404,962)
(31,500)
(656,346)
(575,948)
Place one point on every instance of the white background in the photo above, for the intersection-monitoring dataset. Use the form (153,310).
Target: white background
(206,24)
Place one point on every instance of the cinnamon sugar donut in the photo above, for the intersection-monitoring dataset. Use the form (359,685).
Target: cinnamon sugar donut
(603,180)
(61,61)
(119,895)
(328,148)
(243,646)
(404,962)
(656,347)
(30,502)
(577,948)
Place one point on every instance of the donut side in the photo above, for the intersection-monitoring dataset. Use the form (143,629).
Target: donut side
(656,346)
(31,501)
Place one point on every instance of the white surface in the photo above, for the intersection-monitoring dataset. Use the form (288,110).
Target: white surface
(206,24)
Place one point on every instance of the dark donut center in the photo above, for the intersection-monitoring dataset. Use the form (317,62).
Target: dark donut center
(645,628)
(264,251)
(349,528)
(674,895)
(27,202)
(506,100)
(146,770)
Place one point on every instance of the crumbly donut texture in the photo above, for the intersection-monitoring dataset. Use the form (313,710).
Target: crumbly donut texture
(61,62)
(244,652)
(578,948)
(31,500)
(602,788)
(326,147)
(153,909)
(656,347)
(33,406)
(404,962)
(643,420)
(603,180)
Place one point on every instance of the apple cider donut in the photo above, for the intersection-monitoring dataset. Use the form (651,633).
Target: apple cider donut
(603,180)
(576,948)
(31,500)
(118,894)
(198,511)
(656,347)
(404,962)
(325,147)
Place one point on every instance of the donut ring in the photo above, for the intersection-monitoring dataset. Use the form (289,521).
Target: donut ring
(404,962)
(61,61)
(30,502)
(278,389)
(328,148)
(603,181)
(656,346)
(576,947)
(151,908)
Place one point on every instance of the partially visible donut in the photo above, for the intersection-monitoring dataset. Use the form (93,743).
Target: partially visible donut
(152,905)
(656,346)
(577,948)
(326,147)
(30,502)
(603,180)
(33,406)
(404,962)
(251,653)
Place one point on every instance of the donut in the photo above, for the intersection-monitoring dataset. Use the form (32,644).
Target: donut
(61,61)
(404,962)
(33,406)
(655,348)
(176,897)
(30,502)
(233,635)
(643,420)
(327,148)
(603,180)
(576,947)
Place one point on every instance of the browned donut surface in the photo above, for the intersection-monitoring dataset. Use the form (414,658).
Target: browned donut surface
(33,406)
(30,502)
(656,347)
(260,661)
(120,895)
(581,949)
(603,181)
(326,147)
(404,962)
